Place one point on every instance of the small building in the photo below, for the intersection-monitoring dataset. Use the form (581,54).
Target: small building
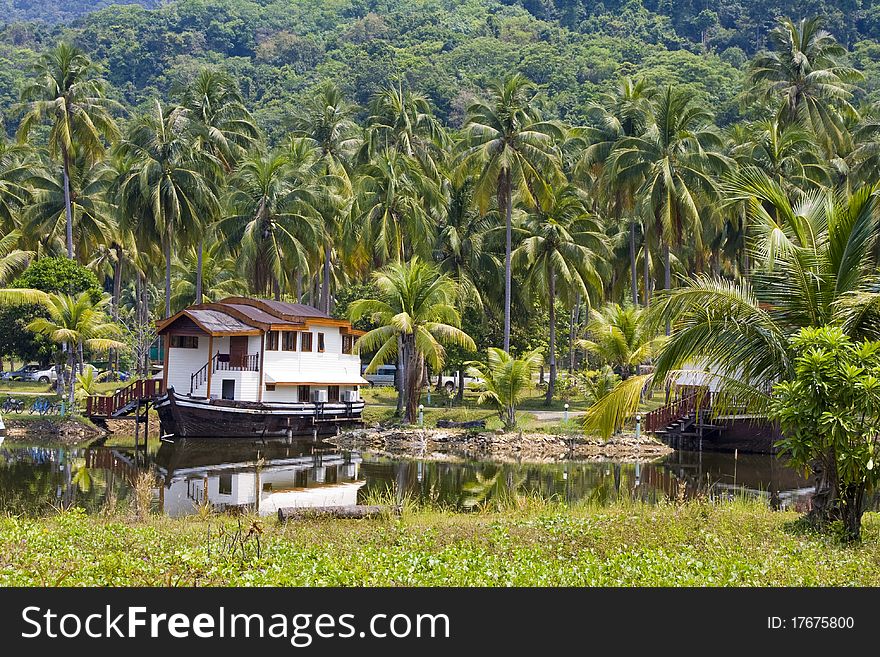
(267,367)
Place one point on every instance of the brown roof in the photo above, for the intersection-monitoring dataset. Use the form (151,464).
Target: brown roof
(254,313)
(243,315)
(217,322)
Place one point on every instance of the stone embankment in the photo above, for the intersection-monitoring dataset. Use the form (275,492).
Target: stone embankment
(510,446)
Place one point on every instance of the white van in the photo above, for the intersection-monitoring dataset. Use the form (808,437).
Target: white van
(383,376)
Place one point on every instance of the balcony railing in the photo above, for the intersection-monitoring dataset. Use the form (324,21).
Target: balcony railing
(224,363)
(243,363)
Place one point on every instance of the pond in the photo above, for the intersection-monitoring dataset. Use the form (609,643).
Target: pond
(241,475)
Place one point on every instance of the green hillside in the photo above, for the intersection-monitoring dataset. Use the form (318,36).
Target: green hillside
(447,49)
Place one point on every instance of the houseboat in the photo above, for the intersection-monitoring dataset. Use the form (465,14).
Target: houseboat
(243,367)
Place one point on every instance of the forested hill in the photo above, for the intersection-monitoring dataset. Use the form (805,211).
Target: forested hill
(447,49)
(59,11)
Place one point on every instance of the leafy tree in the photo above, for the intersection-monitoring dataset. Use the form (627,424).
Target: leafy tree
(829,413)
(59,275)
(507,380)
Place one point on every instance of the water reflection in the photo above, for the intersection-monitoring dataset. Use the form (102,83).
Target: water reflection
(232,475)
(238,475)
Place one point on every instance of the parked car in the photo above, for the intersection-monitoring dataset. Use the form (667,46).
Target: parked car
(383,376)
(21,374)
(450,381)
(50,374)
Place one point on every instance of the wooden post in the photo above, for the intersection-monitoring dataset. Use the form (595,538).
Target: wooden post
(210,363)
(166,342)
(262,354)
(137,430)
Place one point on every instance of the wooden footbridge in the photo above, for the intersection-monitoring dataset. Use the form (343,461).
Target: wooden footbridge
(129,403)
(683,420)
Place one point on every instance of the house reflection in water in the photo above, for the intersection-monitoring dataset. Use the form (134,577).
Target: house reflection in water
(254,477)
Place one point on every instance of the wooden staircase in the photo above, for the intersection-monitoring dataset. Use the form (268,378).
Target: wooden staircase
(687,418)
(125,401)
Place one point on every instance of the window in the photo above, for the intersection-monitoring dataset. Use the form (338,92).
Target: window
(347,344)
(225,484)
(288,341)
(185,341)
(320,343)
(306,342)
(272,341)
(332,393)
(270,387)
(304,393)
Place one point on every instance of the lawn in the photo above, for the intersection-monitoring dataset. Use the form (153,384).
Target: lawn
(381,402)
(531,543)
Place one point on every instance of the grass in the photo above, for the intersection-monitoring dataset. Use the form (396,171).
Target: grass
(36,388)
(534,542)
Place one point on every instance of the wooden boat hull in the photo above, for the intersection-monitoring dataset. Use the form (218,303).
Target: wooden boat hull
(184,416)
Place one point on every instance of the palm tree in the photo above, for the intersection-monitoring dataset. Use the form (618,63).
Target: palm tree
(219,277)
(12,259)
(672,163)
(415,318)
(395,208)
(815,268)
(463,251)
(326,122)
(223,127)
(66,92)
(620,114)
(170,186)
(509,149)
(507,381)
(17,164)
(272,222)
(807,76)
(786,153)
(621,336)
(82,194)
(327,119)
(561,244)
(77,323)
(403,121)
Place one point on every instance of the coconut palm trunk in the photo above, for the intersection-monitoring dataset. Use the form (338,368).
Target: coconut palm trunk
(71,366)
(168,241)
(68,211)
(399,378)
(646,270)
(572,332)
(413,372)
(634,277)
(199,266)
(508,248)
(667,277)
(325,287)
(114,301)
(551,386)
